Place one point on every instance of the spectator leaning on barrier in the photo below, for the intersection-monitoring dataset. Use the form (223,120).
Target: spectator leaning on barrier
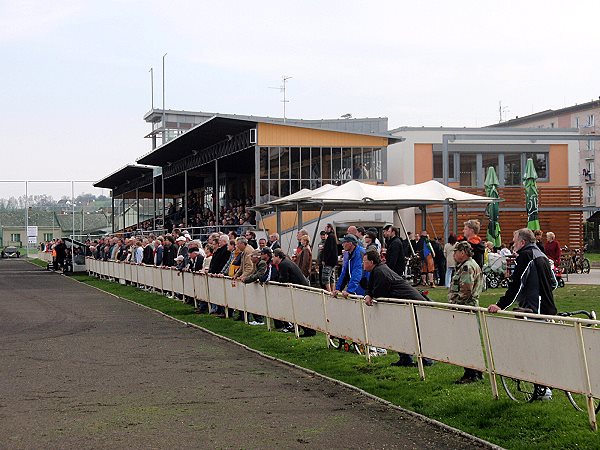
(530,285)
(246,265)
(352,270)
(532,282)
(290,273)
(465,289)
(394,257)
(384,282)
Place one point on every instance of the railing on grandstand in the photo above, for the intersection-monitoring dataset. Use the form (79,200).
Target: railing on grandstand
(200,233)
(557,352)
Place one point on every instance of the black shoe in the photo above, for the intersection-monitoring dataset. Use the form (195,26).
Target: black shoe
(466,380)
(403,364)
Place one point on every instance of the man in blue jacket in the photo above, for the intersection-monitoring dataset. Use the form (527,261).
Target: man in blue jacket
(352,270)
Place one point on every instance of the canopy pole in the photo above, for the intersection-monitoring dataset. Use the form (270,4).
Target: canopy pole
(405,232)
(454,219)
(278,219)
(262,222)
(446,221)
(185,198)
(317,227)
(423,209)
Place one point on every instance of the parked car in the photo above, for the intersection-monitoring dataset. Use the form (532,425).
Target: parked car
(10,252)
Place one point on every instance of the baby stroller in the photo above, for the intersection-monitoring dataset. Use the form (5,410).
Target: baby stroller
(557,274)
(494,271)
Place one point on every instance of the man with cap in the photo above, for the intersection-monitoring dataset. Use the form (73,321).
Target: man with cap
(182,249)
(352,270)
(465,289)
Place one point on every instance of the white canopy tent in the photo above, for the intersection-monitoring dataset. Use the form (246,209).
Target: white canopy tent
(355,195)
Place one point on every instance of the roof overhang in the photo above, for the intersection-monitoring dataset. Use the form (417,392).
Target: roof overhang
(123,175)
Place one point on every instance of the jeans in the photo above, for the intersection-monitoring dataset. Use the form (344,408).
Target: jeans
(449,273)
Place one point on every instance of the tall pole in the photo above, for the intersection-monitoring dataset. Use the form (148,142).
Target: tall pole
(26,220)
(284,78)
(152,87)
(164,123)
(73,206)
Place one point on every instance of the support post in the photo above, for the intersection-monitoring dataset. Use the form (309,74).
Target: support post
(185,197)
(137,208)
(216,193)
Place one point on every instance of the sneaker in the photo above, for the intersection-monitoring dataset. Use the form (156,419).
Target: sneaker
(254,322)
(287,330)
(546,396)
(381,351)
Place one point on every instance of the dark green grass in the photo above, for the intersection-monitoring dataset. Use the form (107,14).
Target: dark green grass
(470,408)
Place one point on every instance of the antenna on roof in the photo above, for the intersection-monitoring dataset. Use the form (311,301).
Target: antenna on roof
(282,89)
(502,110)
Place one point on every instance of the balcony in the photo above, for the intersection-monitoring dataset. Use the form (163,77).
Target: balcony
(589,177)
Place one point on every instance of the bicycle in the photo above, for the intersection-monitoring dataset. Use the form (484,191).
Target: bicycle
(348,346)
(527,392)
(582,264)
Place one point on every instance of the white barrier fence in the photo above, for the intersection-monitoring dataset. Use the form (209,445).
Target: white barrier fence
(557,352)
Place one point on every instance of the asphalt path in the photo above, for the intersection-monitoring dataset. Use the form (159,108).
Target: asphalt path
(82,369)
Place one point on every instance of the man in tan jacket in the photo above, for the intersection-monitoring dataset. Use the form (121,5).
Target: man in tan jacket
(246,265)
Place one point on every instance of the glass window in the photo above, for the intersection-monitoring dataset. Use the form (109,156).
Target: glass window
(326,173)
(264,191)
(378,171)
(347,164)
(15,237)
(468,169)
(438,168)
(315,164)
(48,236)
(488,160)
(305,162)
(274,163)
(295,163)
(284,188)
(264,162)
(336,164)
(294,186)
(512,169)
(284,163)
(540,162)
(273,189)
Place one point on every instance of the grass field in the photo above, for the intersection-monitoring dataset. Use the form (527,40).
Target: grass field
(470,408)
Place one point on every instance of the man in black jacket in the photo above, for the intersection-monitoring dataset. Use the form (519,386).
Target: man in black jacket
(169,252)
(220,256)
(530,285)
(384,282)
(532,282)
(290,273)
(329,257)
(394,257)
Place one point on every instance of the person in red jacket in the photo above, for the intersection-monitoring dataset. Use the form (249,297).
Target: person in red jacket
(552,248)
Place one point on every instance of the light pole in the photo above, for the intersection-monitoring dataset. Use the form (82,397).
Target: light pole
(164,123)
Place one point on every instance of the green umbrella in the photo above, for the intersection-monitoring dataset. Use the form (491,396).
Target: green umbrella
(491,190)
(531,196)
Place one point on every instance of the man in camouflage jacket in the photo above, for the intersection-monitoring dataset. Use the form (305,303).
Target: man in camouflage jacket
(465,289)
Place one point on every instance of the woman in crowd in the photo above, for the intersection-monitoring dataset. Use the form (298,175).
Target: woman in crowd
(304,259)
(449,253)
(553,251)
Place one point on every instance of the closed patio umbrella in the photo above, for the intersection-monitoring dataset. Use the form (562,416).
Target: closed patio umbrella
(531,195)
(491,190)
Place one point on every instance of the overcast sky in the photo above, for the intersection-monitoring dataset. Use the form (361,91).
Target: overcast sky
(75,79)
